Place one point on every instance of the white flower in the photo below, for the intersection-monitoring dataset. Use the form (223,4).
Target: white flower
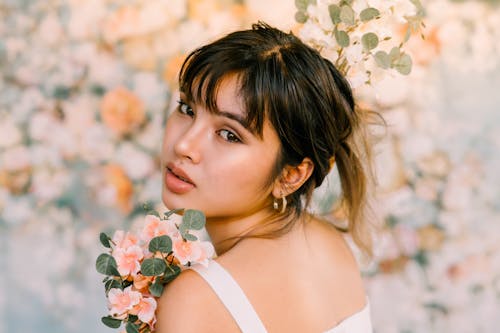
(15,158)
(10,134)
(50,30)
(137,164)
(49,184)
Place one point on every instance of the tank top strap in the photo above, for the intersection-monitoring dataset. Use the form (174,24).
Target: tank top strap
(232,296)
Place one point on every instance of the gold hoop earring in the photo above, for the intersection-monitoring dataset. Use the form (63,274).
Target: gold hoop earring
(283,204)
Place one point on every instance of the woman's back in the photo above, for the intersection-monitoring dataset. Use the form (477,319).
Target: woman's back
(305,281)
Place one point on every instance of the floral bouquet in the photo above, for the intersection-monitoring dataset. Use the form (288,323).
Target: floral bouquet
(137,267)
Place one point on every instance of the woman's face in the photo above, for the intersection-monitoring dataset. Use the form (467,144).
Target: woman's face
(212,162)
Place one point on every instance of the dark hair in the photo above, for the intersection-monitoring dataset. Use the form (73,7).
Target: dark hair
(308,102)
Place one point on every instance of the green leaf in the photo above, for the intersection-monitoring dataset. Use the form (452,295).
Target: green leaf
(301,17)
(342,38)
(172,212)
(403,64)
(132,318)
(301,5)
(153,212)
(334,11)
(369,41)
(347,15)
(112,283)
(132,328)
(153,267)
(161,243)
(368,14)
(106,264)
(104,240)
(171,273)
(395,53)
(111,322)
(189,237)
(156,289)
(193,219)
(382,59)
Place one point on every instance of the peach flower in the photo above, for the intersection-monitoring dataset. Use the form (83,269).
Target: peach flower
(142,282)
(121,24)
(121,185)
(124,240)
(122,111)
(145,309)
(194,252)
(121,301)
(127,259)
(155,227)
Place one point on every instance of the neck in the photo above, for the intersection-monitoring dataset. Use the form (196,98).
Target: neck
(225,232)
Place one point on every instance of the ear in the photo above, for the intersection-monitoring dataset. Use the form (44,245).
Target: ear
(292,178)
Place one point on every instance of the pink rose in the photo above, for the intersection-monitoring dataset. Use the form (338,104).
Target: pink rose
(124,240)
(121,301)
(155,227)
(145,309)
(127,259)
(194,252)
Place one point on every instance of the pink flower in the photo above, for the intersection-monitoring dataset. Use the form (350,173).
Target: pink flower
(127,259)
(124,240)
(145,309)
(194,252)
(155,227)
(121,301)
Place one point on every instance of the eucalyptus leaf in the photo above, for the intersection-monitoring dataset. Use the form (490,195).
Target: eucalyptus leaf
(161,243)
(368,14)
(301,17)
(172,212)
(156,289)
(106,264)
(334,12)
(132,318)
(347,15)
(404,64)
(395,53)
(171,273)
(153,267)
(111,322)
(342,38)
(104,240)
(189,237)
(301,5)
(132,328)
(193,219)
(369,41)
(112,283)
(382,59)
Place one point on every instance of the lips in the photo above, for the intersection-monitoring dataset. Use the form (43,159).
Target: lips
(177,181)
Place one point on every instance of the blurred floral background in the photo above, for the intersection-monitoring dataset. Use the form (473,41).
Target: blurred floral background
(85,87)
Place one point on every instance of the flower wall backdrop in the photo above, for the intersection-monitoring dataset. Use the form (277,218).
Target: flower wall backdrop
(84,90)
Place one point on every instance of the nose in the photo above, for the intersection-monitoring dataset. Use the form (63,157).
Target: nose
(189,143)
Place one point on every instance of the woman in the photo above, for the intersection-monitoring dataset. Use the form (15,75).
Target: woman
(261,120)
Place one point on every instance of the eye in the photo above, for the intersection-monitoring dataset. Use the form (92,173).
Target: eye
(228,136)
(184,108)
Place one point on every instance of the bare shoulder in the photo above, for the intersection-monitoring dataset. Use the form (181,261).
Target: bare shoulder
(329,246)
(186,305)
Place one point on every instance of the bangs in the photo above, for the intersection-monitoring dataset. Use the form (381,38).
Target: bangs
(206,68)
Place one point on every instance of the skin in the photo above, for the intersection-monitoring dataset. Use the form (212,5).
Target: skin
(230,168)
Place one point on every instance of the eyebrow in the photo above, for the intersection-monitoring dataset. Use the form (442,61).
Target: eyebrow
(241,120)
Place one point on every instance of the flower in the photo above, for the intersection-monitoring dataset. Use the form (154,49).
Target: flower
(155,227)
(145,309)
(122,111)
(127,259)
(120,301)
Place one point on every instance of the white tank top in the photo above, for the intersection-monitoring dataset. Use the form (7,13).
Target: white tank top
(238,305)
